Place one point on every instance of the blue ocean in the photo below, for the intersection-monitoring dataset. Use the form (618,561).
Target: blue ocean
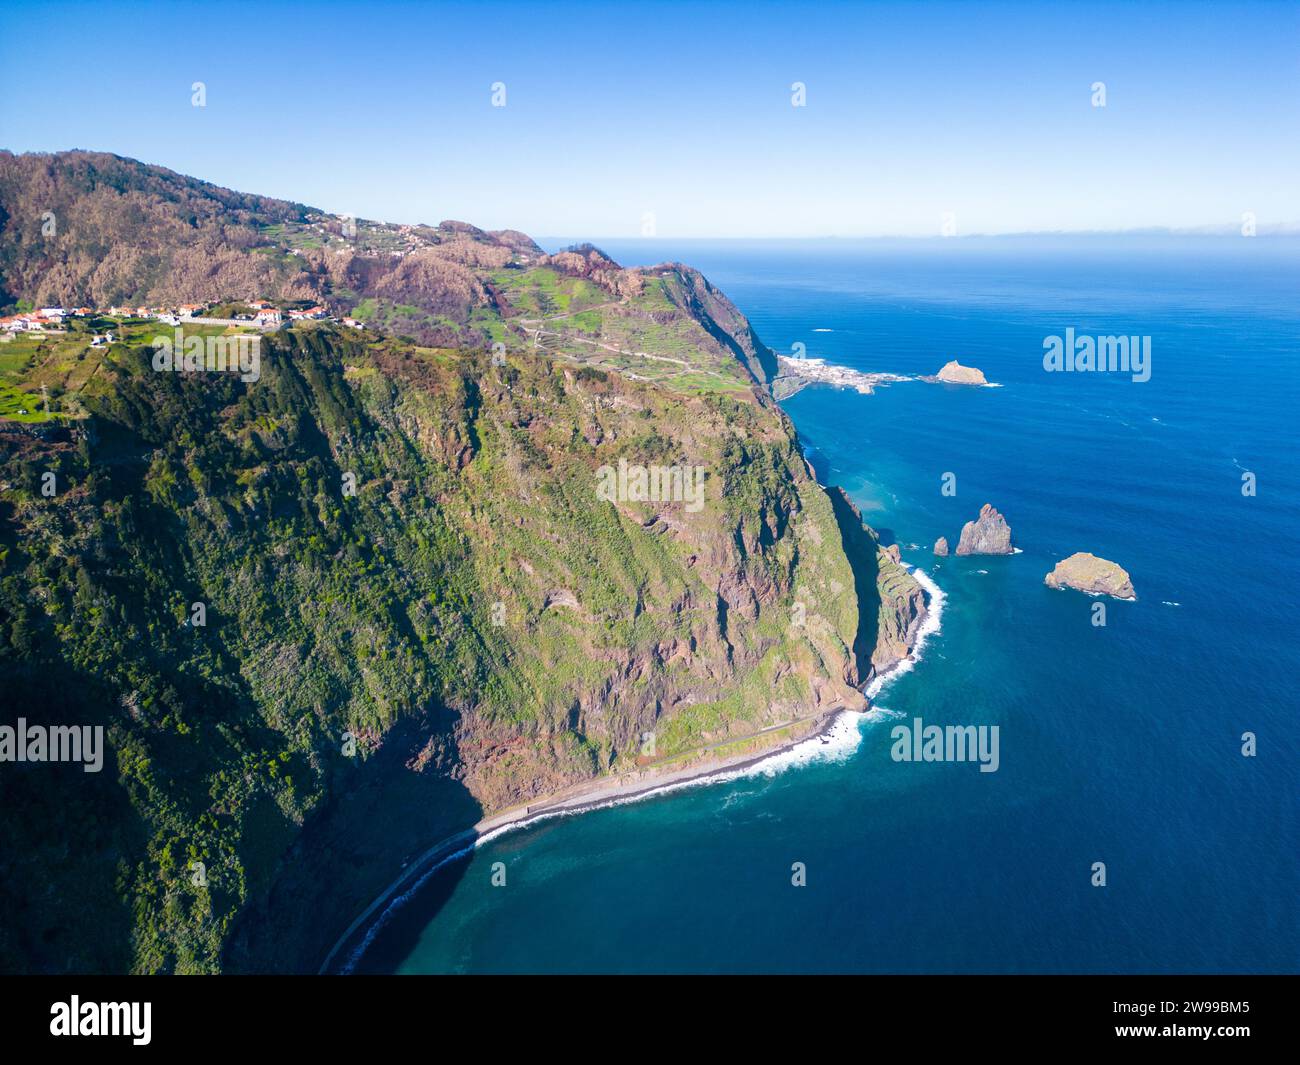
(1120,743)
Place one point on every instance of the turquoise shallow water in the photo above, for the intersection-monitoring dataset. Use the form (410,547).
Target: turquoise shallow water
(1119,744)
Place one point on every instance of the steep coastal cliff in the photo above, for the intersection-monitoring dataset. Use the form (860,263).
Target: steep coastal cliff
(419,604)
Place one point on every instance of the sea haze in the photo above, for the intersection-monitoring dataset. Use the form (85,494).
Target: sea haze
(1119,743)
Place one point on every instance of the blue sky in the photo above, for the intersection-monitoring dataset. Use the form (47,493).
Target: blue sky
(683,111)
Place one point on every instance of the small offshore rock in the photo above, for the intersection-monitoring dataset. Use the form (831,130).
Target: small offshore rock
(1087,573)
(954,373)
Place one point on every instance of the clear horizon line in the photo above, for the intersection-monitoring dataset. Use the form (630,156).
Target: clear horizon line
(1227,231)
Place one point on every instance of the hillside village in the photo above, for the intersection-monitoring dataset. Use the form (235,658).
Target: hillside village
(259,314)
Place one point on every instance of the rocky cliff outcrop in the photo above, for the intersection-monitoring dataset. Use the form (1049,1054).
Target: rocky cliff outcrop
(989,534)
(941,547)
(1087,573)
(891,601)
(902,610)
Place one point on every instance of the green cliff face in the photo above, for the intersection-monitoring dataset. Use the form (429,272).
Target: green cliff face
(432,582)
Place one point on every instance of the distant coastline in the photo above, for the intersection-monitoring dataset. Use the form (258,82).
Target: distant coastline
(797,374)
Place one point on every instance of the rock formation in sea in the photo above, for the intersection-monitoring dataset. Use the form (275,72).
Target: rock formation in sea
(989,534)
(941,547)
(954,373)
(1087,573)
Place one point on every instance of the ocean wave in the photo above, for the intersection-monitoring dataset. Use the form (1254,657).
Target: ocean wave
(835,743)
(840,739)
(398,901)
(932,623)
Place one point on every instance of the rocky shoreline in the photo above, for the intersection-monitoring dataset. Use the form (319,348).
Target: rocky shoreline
(794,375)
(797,374)
(699,768)
(576,799)
(591,795)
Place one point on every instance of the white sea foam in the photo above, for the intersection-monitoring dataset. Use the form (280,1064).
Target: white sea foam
(823,330)
(398,901)
(838,740)
(1168,603)
(931,624)
(835,743)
